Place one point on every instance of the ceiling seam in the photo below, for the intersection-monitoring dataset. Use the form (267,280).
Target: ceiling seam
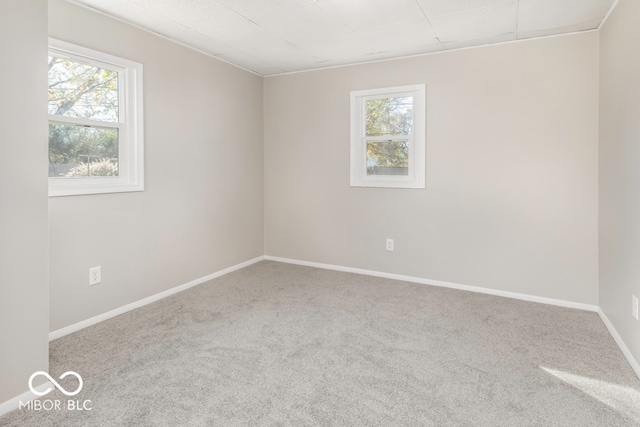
(424,14)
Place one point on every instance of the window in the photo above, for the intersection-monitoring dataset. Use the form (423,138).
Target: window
(95,122)
(388,137)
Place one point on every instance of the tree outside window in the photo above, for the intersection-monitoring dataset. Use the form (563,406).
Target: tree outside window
(78,90)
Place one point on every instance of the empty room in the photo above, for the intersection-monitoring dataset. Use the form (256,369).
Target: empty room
(320,212)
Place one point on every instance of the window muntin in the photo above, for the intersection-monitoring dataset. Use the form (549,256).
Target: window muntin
(95,122)
(387,137)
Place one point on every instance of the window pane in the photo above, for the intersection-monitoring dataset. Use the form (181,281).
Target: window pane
(82,90)
(80,151)
(388,157)
(389,116)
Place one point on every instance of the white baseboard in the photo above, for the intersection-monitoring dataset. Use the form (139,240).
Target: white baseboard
(623,347)
(14,403)
(488,291)
(153,298)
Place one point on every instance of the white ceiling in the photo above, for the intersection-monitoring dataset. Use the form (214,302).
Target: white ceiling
(278,36)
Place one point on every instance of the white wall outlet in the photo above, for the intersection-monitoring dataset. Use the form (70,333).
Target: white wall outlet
(634,306)
(389,244)
(95,276)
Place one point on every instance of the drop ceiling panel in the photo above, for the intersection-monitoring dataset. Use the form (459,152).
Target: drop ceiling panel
(338,50)
(303,23)
(404,36)
(276,36)
(447,7)
(477,23)
(260,9)
(239,34)
(544,14)
(366,15)
(191,13)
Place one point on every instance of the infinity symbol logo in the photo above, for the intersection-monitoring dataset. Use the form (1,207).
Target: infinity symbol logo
(58,386)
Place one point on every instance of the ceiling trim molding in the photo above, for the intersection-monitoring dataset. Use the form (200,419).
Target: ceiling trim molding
(355,64)
(162,36)
(608,14)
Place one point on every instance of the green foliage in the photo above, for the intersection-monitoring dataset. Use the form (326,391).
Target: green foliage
(69,144)
(388,117)
(388,154)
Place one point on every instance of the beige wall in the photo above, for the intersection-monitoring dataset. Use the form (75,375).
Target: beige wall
(512,185)
(620,170)
(24,305)
(202,209)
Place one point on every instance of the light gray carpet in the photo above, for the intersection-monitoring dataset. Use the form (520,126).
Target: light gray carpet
(276,344)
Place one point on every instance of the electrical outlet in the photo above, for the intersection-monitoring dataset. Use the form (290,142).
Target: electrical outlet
(389,244)
(634,306)
(95,276)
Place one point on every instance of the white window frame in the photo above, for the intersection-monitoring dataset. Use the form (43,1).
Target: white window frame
(416,162)
(130,125)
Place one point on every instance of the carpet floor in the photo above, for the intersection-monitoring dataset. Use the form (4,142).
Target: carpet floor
(284,345)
